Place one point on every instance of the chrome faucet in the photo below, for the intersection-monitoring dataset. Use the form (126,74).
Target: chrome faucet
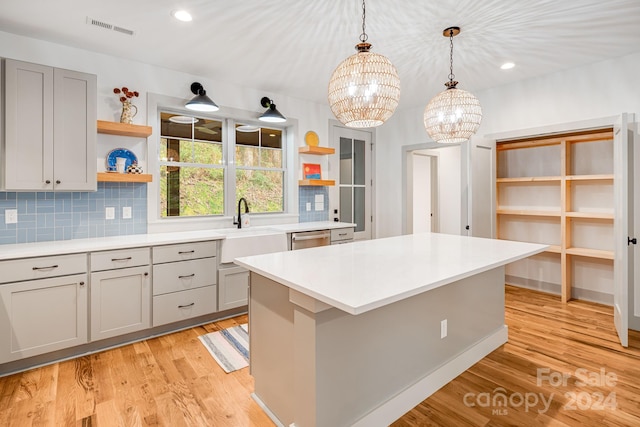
(246,210)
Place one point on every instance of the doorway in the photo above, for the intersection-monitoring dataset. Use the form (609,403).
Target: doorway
(422,203)
(355,181)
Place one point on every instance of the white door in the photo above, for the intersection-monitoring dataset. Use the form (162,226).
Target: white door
(482,155)
(622,225)
(354,183)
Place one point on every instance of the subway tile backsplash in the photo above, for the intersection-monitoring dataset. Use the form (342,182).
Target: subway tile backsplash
(47,216)
(307,194)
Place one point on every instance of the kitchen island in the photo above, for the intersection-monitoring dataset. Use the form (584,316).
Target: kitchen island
(359,334)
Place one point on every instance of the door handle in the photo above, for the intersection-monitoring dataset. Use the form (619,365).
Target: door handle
(631,241)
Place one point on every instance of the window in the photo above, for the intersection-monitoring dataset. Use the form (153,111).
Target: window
(259,168)
(191,166)
(196,167)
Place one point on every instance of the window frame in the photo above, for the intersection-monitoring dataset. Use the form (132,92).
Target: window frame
(228,117)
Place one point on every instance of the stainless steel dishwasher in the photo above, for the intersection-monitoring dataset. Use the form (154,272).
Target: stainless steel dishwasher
(310,239)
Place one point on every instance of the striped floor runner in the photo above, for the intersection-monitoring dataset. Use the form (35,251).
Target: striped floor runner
(230,347)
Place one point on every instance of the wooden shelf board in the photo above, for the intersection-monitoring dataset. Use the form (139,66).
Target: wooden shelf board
(591,253)
(527,213)
(555,249)
(530,179)
(317,182)
(604,177)
(123,129)
(590,215)
(316,150)
(124,177)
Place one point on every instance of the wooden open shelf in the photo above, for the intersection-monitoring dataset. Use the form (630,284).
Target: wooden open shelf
(608,177)
(124,177)
(316,150)
(590,215)
(527,212)
(123,129)
(530,179)
(554,249)
(317,182)
(591,253)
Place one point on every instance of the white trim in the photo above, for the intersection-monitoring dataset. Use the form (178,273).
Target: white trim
(402,403)
(597,123)
(267,411)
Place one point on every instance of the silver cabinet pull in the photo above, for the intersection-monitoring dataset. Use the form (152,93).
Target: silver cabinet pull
(121,259)
(185,252)
(187,305)
(51,267)
(187,276)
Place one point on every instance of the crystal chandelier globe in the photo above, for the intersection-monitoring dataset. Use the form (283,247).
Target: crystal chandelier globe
(453,115)
(364,89)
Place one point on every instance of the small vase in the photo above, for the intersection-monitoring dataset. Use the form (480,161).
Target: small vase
(128,112)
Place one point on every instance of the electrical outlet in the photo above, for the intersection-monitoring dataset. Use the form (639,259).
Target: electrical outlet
(110,213)
(126,212)
(308,206)
(443,328)
(10,216)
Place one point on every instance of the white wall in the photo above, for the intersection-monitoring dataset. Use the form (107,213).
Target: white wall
(421,171)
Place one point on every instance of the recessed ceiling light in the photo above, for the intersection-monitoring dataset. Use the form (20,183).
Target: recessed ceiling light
(507,66)
(182,15)
(183,120)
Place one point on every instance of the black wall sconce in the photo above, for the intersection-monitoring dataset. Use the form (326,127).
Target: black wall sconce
(200,102)
(272,115)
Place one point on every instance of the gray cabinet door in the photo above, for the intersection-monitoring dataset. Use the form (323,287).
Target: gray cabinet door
(50,128)
(28,126)
(233,288)
(74,131)
(40,316)
(120,302)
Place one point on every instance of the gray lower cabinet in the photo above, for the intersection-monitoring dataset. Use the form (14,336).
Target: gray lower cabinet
(184,281)
(120,302)
(341,235)
(40,316)
(233,287)
(49,129)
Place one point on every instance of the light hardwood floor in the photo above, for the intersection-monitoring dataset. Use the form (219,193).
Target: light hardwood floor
(173,381)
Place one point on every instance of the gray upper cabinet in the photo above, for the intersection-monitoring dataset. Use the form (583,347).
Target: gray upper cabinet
(50,129)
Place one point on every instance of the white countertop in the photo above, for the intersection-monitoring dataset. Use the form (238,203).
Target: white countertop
(365,275)
(27,250)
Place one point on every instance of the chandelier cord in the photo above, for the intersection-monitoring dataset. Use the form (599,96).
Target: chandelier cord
(363,36)
(451,75)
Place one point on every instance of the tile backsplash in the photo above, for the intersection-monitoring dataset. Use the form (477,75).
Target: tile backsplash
(47,216)
(307,194)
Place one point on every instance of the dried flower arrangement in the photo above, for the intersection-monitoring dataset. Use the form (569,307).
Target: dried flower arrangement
(126,93)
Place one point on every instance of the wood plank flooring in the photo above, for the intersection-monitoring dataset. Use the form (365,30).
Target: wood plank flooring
(173,381)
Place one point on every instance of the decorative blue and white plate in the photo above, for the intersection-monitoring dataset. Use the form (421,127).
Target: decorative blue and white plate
(110,161)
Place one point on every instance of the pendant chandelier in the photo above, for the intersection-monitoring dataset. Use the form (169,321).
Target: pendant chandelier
(453,115)
(364,89)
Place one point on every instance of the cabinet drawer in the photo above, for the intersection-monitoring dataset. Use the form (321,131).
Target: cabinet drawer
(183,305)
(179,276)
(122,258)
(39,268)
(183,252)
(341,234)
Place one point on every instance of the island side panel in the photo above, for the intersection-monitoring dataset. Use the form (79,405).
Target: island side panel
(364,361)
(271,346)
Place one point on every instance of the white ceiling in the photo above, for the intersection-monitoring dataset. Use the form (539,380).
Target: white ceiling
(292,46)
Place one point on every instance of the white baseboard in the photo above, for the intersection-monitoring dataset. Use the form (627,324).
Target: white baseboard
(267,411)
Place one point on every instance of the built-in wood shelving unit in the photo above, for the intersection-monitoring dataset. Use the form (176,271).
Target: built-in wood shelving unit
(124,177)
(123,129)
(570,180)
(317,182)
(307,149)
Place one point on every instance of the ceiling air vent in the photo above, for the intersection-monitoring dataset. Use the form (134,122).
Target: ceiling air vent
(107,26)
